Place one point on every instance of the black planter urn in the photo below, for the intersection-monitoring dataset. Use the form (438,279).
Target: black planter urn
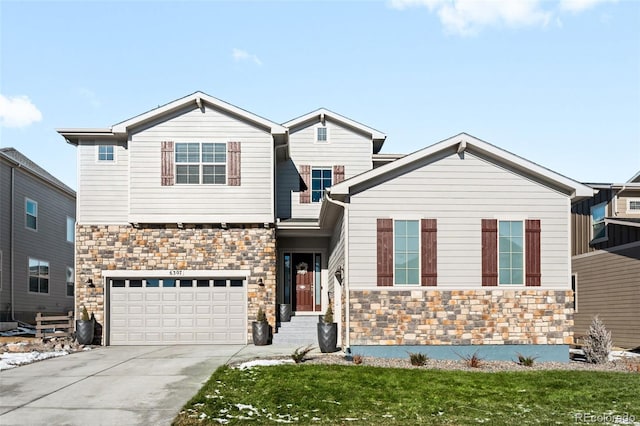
(84,331)
(261,331)
(285,312)
(328,337)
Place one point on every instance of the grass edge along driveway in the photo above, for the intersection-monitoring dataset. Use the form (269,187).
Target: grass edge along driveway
(333,394)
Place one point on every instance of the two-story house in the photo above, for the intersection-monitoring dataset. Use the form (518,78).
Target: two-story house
(37,225)
(606,260)
(196,214)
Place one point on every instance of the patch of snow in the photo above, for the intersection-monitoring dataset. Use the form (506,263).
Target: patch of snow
(264,363)
(11,360)
(617,355)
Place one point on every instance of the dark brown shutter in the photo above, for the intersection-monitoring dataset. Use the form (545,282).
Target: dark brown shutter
(532,252)
(429,252)
(166,161)
(489,252)
(305,193)
(385,252)
(233,153)
(338,174)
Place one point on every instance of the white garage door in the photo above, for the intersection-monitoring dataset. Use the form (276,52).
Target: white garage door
(177,311)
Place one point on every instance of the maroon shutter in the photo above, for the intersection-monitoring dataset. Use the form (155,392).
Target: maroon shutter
(305,194)
(489,252)
(429,251)
(385,252)
(532,252)
(166,161)
(338,174)
(233,153)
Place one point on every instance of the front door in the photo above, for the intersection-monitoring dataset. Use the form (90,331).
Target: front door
(304,282)
(304,291)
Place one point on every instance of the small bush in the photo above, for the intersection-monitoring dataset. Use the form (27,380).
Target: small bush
(526,361)
(300,354)
(358,359)
(418,359)
(84,314)
(597,343)
(474,360)
(261,317)
(328,316)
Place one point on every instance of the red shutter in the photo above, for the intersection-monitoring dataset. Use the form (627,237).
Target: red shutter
(305,193)
(532,252)
(385,252)
(166,161)
(233,153)
(338,174)
(489,252)
(429,252)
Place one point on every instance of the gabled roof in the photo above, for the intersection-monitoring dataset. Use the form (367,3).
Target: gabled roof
(318,115)
(196,100)
(635,178)
(461,143)
(19,159)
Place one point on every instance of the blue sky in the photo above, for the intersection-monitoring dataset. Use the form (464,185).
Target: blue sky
(557,82)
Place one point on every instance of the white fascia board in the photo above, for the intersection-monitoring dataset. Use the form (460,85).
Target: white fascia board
(472,144)
(195,99)
(375,134)
(622,222)
(177,273)
(73,136)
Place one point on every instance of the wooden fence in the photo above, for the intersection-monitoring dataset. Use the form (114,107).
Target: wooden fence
(54,326)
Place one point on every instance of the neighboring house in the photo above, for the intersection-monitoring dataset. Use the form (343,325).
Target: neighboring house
(194,215)
(37,223)
(606,260)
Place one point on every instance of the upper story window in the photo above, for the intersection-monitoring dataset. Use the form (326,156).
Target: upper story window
(322,134)
(71,225)
(510,252)
(106,153)
(38,276)
(31,214)
(201,163)
(320,181)
(70,281)
(633,205)
(406,253)
(598,227)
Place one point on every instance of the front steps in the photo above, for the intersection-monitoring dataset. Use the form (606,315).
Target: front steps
(301,331)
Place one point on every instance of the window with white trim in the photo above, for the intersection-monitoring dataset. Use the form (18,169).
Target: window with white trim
(321,178)
(31,214)
(38,276)
(633,205)
(201,163)
(406,252)
(70,281)
(106,153)
(574,288)
(510,252)
(598,227)
(71,229)
(322,134)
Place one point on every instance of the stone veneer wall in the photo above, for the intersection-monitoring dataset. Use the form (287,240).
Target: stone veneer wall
(469,317)
(167,247)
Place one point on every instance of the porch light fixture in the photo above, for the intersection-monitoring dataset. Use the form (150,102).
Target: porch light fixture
(339,274)
(90,283)
(260,282)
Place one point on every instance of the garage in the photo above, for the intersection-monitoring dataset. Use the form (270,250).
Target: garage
(163,310)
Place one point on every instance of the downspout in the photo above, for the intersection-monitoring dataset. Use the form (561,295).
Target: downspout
(11,241)
(345,279)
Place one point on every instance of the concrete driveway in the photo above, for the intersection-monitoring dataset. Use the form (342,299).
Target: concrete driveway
(115,385)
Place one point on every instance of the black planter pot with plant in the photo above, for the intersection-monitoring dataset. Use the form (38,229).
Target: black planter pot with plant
(84,328)
(327,333)
(261,330)
(285,312)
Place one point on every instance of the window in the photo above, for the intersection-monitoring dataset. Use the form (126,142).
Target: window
(574,288)
(510,252)
(106,153)
(198,163)
(598,227)
(322,134)
(633,205)
(31,217)
(70,281)
(71,225)
(406,252)
(38,276)
(320,180)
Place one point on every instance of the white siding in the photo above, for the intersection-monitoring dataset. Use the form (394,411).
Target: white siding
(459,193)
(102,186)
(336,252)
(345,147)
(252,201)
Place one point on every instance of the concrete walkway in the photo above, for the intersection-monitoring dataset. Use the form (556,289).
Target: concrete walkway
(115,385)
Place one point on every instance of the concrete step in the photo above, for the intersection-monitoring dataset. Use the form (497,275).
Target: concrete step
(301,330)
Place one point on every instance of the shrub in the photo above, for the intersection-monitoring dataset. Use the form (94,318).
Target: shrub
(526,361)
(300,354)
(358,359)
(84,314)
(261,317)
(328,316)
(418,359)
(474,360)
(597,343)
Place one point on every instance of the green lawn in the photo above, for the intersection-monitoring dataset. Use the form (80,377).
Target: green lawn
(332,394)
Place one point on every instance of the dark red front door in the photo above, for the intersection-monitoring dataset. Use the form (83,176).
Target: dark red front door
(304,291)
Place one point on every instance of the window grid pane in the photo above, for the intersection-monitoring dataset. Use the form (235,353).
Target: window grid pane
(320,181)
(322,134)
(206,163)
(511,252)
(407,252)
(105,153)
(38,276)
